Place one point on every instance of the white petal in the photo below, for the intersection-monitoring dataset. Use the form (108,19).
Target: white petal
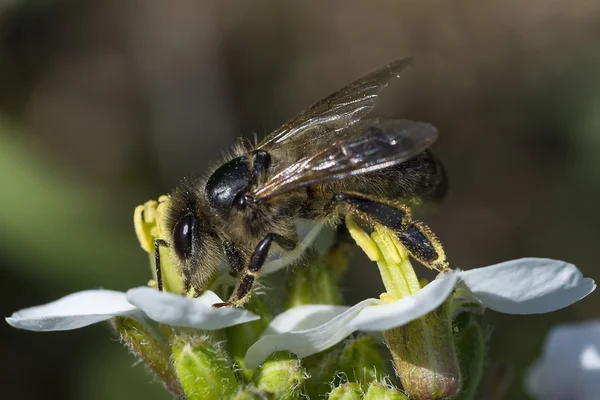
(527,285)
(308,341)
(304,317)
(570,364)
(176,310)
(387,316)
(73,311)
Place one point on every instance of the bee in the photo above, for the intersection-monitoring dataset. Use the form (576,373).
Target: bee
(328,161)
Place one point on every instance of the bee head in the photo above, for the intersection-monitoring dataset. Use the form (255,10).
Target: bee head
(194,242)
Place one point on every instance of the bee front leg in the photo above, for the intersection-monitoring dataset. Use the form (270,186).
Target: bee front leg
(415,236)
(234,258)
(157,245)
(244,288)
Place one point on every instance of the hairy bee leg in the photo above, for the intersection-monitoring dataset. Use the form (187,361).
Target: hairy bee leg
(243,290)
(392,217)
(415,236)
(423,245)
(157,244)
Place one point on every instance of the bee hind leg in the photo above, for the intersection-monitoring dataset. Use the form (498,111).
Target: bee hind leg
(245,286)
(415,236)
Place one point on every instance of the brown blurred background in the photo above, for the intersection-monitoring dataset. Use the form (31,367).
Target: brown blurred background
(109,103)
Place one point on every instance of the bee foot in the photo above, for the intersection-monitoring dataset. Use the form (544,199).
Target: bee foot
(224,304)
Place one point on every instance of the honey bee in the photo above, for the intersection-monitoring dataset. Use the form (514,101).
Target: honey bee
(323,164)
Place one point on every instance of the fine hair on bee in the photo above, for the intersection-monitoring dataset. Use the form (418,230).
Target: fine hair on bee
(328,161)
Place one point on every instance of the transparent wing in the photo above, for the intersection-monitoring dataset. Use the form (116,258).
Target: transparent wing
(336,112)
(371,145)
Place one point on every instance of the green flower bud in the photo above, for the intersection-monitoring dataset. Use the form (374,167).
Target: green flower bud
(361,362)
(148,347)
(253,394)
(203,368)
(424,355)
(323,371)
(379,391)
(470,343)
(346,391)
(313,283)
(281,374)
(240,337)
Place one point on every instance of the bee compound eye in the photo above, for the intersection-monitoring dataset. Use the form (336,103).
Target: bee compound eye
(183,236)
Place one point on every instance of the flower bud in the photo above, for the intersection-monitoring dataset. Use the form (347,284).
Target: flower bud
(252,394)
(361,362)
(424,355)
(346,391)
(150,348)
(313,283)
(323,371)
(282,375)
(379,391)
(240,337)
(203,368)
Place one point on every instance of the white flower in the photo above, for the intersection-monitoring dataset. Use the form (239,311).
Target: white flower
(524,286)
(88,307)
(570,364)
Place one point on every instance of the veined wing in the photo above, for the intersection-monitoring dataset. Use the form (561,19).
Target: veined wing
(336,112)
(370,146)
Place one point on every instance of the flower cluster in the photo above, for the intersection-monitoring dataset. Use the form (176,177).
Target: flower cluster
(203,352)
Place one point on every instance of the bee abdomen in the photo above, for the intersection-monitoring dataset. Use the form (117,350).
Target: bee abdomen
(422,179)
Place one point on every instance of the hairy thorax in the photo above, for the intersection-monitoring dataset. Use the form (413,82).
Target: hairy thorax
(255,221)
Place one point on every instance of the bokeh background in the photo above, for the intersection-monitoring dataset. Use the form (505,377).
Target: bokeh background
(108,103)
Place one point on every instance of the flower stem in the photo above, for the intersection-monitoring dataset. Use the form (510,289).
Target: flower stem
(424,355)
(150,348)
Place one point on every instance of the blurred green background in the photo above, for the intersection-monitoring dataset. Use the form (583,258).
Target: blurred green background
(109,103)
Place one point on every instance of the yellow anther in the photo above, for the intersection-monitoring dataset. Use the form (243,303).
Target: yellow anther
(386,297)
(148,220)
(160,213)
(362,239)
(143,230)
(385,242)
(150,211)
